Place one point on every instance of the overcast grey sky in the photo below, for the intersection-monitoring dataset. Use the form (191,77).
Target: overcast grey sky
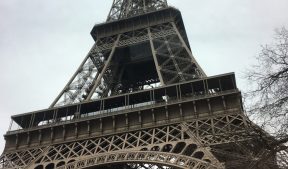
(43,42)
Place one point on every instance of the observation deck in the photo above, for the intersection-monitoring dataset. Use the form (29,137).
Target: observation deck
(196,99)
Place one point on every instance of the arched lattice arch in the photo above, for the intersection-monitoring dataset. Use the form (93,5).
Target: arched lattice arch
(141,157)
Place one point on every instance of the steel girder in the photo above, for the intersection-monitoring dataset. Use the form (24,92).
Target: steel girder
(97,75)
(207,143)
(127,8)
(224,141)
(165,146)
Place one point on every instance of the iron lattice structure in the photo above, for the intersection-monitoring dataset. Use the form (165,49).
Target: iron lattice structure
(127,8)
(140,100)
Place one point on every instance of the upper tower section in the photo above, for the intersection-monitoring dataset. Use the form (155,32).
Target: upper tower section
(142,44)
(127,8)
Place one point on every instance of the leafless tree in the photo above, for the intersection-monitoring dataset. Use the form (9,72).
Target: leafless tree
(267,99)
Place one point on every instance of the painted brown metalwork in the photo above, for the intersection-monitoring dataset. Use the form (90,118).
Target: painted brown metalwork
(140,100)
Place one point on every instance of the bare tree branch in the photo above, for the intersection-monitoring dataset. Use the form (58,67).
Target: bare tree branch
(267,99)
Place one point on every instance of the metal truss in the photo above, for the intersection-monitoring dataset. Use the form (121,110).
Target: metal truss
(192,144)
(127,8)
(20,159)
(146,157)
(168,146)
(191,139)
(81,83)
(222,140)
(175,60)
(147,166)
(97,76)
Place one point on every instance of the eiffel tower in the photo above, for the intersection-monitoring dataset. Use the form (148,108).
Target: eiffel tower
(140,100)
